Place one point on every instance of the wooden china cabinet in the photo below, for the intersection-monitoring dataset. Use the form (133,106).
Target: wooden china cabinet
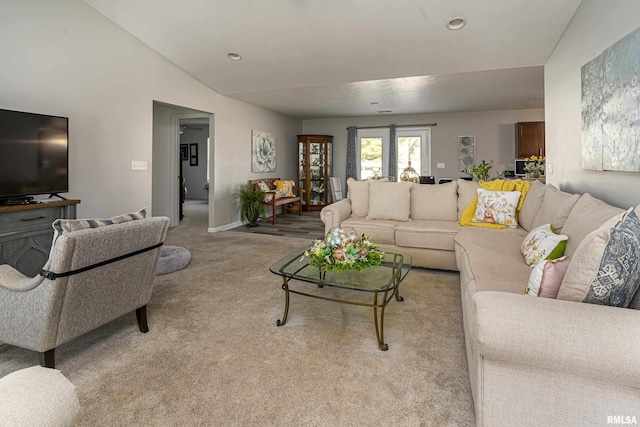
(315,167)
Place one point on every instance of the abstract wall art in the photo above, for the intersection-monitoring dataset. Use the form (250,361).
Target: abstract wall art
(263,151)
(611,108)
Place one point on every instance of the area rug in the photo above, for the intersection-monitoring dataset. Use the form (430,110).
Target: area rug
(214,355)
(172,258)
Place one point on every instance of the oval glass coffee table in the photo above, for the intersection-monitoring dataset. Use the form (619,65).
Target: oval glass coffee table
(381,281)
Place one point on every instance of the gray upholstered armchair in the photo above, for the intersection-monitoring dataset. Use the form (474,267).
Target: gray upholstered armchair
(42,313)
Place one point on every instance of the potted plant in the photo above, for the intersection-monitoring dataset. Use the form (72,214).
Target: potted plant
(482,172)
(250,200)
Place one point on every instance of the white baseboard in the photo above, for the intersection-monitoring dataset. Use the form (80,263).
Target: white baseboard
(224,227)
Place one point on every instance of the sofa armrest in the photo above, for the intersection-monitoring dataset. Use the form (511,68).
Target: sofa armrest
(332,215)
(11,279)
(587,340)
(38,396)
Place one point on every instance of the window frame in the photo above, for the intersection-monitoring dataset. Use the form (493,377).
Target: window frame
(425,148)
(373,133)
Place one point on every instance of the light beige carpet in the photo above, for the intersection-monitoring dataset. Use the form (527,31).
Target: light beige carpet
(214,355)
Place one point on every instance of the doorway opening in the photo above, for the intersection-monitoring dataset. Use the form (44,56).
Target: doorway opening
(194,170)
(182,173)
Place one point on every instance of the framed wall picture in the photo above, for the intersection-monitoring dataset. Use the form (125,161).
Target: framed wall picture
(193,154)
(263,151)
(466,152)
(184,152)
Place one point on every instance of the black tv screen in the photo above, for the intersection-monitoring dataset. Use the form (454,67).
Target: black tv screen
(34,155)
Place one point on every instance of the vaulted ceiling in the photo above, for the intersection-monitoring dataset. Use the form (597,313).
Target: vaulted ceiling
(330,58)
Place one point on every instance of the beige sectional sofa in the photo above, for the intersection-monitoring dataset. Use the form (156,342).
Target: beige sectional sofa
(532,361)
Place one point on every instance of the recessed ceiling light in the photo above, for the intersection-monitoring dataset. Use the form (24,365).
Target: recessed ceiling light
(456,23)
(234,56)
(384,111)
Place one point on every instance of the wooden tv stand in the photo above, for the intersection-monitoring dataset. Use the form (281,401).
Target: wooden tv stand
(26,233)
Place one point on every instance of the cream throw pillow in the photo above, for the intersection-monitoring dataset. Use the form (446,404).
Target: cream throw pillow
(605,268)
(390,200)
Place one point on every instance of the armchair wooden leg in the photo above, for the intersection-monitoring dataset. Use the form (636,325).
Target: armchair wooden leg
(48,359)
(141,316)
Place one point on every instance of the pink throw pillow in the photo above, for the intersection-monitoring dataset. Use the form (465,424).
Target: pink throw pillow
(546,277)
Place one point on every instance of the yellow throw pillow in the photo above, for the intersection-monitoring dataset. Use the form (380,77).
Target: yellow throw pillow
(497,185)
(284,189)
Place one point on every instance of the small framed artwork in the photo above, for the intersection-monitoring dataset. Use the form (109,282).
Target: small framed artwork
(466,152)
(193,154)
(263,151)
(184,152)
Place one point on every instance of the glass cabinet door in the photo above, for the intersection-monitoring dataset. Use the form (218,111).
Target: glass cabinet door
(302,170)
(314,168)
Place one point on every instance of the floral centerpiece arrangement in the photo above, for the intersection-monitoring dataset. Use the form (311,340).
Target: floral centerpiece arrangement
(343,250)
(534,166)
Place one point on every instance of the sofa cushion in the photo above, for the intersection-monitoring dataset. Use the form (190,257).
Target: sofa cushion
(531,205)
(546,277)
(494,259)
(378,230)
(390,200)
(496,207)
(427,234)
(434,202)
(466,194)
(555,208)
(358,192)
(542,243)
(605,268)
(587,215)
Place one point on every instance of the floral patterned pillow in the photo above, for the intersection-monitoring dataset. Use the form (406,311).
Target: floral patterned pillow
(284,189)
(263,186)
(497,207)
(542,243)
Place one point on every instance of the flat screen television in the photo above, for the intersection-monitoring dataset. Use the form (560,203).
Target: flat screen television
(34,154)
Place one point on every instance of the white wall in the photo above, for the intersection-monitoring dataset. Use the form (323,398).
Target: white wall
(61,57)
(596,25)
(494,132)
